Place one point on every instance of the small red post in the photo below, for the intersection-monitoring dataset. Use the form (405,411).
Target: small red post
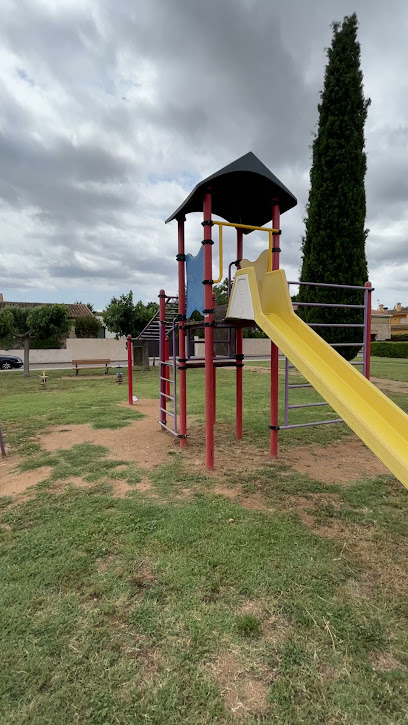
(208,331)
(130,369)
(238,352)
(274,348)
(163,368)
(367,330)
(182,334)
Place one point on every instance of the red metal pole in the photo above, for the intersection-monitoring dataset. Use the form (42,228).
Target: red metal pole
(130,369)
(239,357)
(163,368)
(274,348)
(208,331)
(367,348)
(182,333)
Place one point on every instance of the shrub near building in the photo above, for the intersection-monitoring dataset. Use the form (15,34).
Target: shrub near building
(86,327)
(389,349)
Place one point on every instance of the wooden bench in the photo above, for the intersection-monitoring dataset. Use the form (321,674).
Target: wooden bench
(90,363)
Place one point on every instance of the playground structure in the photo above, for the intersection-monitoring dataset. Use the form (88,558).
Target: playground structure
(247,191)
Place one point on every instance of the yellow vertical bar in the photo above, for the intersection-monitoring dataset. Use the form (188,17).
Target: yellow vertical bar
(220,254)
(270,253)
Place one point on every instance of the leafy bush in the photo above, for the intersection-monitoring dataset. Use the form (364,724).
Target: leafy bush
(87,326)
(399,338)
(389,349)
(50,343)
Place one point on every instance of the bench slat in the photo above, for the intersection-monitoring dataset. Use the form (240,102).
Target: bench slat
(90,362)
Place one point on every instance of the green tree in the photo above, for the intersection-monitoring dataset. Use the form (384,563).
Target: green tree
(44,322)
(334,244)
(6,325)
(86,326)
(124,317)
(221,292)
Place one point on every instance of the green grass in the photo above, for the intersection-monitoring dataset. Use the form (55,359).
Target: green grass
(396,369)
(156,609)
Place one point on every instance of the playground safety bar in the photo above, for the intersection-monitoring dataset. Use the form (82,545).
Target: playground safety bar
(246,226)
(334,286)
(306,405)
(308,425)
(301,385)
(330,304)
(365,345)
(334,324)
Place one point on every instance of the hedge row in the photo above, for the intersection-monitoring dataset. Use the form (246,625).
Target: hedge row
(389,349)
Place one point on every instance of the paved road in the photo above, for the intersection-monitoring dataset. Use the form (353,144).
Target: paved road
(123,363)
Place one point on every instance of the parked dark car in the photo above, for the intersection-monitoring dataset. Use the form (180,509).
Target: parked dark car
(7,362)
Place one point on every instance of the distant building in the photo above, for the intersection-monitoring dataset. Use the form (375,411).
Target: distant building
(380,324)
(399,320)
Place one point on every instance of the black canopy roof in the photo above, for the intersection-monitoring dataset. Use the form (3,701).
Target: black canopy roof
(242,192)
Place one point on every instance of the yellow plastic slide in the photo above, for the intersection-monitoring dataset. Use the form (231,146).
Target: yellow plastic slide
(381,424)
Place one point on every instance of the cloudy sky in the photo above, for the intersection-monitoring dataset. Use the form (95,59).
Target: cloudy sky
(112,110)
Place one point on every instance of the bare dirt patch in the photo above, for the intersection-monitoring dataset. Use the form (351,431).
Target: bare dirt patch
(12,482)
(392,386)
(120,488)
(339,462)
(103,564)
(252,501)
(228,451)
(384,662)
(244,694)
(142,441)
(143,486)
(143,577)
(274,627)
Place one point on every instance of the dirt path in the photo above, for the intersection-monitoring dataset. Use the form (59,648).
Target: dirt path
(392,386)
(145,443)
(339,462)
(142,441)
(12,482)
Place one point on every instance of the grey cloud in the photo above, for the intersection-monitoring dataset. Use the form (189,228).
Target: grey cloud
(204,83)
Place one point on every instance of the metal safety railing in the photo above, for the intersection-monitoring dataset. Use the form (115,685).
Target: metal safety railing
(364,346)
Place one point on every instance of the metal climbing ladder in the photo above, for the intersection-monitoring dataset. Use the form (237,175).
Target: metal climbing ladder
(167,324)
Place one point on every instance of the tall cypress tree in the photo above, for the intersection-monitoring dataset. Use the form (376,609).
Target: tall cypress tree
(334,244)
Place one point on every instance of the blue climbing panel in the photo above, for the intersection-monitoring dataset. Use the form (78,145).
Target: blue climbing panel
(194,276)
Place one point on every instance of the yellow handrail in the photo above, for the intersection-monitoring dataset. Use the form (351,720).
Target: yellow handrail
(270,231)
(220,254)
(247,226)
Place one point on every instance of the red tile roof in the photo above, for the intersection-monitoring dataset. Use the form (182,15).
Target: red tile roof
(74,310)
